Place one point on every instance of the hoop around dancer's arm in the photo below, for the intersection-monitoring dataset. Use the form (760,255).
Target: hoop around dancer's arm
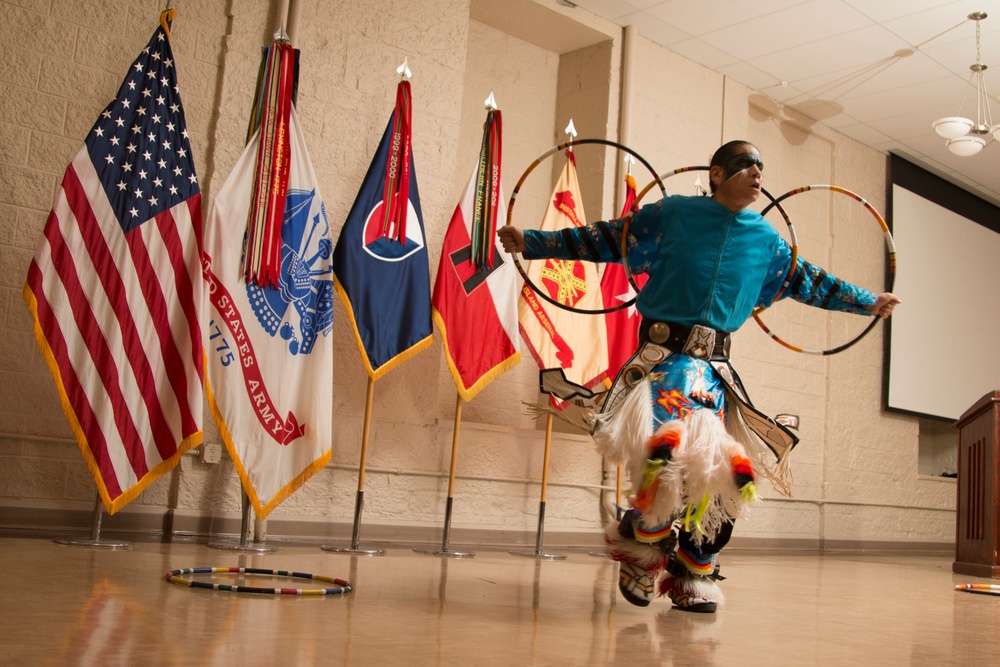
(510,216)
(890,260)
(775,203)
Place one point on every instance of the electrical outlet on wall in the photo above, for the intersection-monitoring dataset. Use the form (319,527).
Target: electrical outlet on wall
(211,452)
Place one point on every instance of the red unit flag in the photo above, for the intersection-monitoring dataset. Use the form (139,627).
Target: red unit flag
(475,294)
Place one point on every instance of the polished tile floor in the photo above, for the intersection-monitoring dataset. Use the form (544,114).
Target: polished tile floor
(72,605)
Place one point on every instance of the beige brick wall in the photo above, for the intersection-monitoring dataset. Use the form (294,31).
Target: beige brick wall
(60,61)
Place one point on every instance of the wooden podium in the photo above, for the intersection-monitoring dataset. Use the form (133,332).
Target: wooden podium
(977,534)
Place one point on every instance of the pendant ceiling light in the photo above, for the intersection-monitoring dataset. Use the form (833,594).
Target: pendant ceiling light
(967,136)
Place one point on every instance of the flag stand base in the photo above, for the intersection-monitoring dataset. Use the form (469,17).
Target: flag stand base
(353,550)
(537,553)
(94,544)
(355,547)
(95,541)
(239,545)
(445,552)
(245,543)
(446,539)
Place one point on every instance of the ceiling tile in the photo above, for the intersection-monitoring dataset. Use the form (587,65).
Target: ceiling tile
(699,18)
(613,9)
(886,10)
(861,50)
(654,29)
(864,133)
(862,81)
(788,28)
(944,23)
(703,53)
(930,95)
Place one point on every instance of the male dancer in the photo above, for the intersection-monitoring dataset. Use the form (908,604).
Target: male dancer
(673,417)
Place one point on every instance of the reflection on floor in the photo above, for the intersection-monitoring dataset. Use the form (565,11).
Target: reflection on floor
(66,605)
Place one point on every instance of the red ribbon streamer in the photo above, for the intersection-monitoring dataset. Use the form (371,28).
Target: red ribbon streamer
(396,192)
(262,249)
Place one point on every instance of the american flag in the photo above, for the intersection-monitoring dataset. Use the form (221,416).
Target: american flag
(115,285)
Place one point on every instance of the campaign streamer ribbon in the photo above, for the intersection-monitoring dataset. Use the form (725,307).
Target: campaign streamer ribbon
(396,192)
(629,195)
(484,221)
(262,244)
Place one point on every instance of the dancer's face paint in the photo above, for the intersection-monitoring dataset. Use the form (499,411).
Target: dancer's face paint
(741,176)
(741,161)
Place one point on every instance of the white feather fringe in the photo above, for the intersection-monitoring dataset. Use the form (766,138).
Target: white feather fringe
(701,467)
(622,432)
(647,556)
(760,455)
(702,587)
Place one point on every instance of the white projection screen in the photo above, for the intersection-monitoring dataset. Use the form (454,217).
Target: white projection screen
(943,343)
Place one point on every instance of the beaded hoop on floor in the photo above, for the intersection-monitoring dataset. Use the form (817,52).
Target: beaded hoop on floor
(775,203)
(176,577)
(890,268)
(510,215)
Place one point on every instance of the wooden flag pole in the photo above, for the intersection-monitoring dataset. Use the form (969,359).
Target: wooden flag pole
(444,551)
(537,553)
(359,500)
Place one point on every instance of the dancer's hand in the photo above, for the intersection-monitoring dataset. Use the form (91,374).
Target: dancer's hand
(884,303)
(511,238)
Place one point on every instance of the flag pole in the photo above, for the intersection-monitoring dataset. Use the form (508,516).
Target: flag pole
(617,503)
(281,32)
(292,23)
(444,551)
(246,541)
(537,553)
(359,501)
(618,492)
(95,540)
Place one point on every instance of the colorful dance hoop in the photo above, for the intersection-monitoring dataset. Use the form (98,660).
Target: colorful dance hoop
(178,577)
(510,215)
(775,203)
(890,268)
(985,589)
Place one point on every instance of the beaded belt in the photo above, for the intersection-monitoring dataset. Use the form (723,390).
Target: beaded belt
(697,341)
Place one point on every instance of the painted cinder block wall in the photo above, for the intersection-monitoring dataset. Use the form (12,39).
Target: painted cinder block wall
(856,468)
